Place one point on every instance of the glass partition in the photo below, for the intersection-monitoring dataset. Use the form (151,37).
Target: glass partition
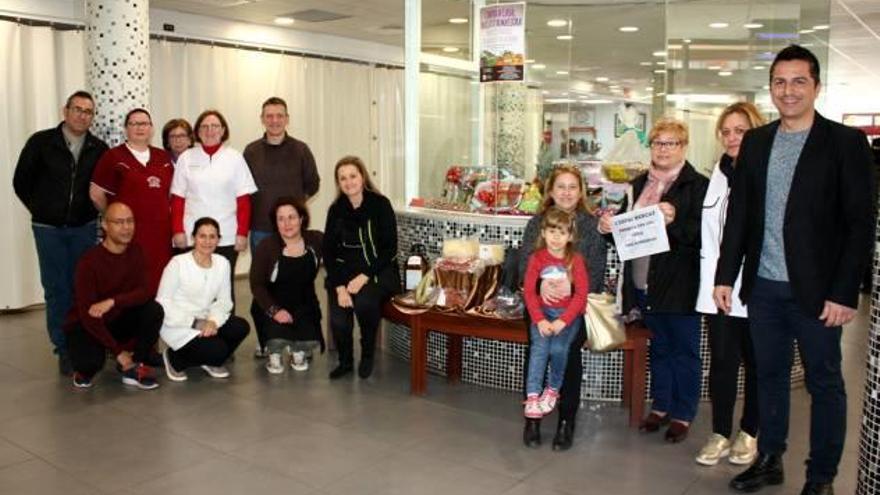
(596,76)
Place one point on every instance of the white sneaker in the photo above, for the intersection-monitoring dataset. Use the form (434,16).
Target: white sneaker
(216,371)
(298,361)
(716,448)
(173,374)
(274,364)
(744,450)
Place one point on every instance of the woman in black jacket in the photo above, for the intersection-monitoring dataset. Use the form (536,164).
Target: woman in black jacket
(360,254)
(664,285)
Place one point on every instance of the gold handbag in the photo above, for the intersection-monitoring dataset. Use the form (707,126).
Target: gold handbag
(605,330)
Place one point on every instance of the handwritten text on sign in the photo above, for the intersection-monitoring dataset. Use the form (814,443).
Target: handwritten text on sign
(640,233)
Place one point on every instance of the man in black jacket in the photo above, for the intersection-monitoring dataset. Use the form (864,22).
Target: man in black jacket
(802,219)
(52,180)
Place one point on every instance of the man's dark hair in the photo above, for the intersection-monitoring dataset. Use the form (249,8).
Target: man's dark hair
(797,52)
(79,94)
(274,100)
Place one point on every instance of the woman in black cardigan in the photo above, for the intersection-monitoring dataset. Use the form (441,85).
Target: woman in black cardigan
(360,254)
(283,270)
(664,285)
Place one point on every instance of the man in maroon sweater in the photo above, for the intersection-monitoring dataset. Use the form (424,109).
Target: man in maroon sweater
(112,308)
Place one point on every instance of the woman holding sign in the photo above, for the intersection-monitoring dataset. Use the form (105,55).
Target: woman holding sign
(564,190)
(729,339)
(664,285)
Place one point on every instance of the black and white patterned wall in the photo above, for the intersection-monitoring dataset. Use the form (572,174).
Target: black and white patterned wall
(869,442)
(500,364)
(118,58)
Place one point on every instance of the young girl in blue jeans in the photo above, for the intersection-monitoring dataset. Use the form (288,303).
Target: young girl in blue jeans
(554,323)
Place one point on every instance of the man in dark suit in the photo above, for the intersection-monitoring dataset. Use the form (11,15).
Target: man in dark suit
(802,221)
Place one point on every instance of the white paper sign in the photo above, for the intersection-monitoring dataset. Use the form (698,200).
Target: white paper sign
(640,233)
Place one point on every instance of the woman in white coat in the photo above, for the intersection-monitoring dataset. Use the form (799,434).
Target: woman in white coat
(199,327)
(729,341)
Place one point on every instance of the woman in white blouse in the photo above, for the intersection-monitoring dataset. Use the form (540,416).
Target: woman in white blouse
(196,296)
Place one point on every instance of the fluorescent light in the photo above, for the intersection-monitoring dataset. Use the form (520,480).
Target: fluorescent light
(458,20)
(450,49)
(758,67)
(562,72)
(284,21)
(659,53)
(686,41)
(718,25)
(725,73)
(821,27)
(601,79)
(806,31)
(564,37)
(766,86)
(557,23)
(753,25)
(627,29)
(714,67)
(538,66)
(649,88)
(530,60)
(660,63)
(659,71)
(646,64)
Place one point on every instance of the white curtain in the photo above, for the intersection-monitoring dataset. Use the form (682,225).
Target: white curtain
(338,108)
(40,68)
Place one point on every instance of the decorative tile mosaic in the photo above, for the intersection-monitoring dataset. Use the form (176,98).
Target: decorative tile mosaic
(118,54)
(868,482)
(500,364)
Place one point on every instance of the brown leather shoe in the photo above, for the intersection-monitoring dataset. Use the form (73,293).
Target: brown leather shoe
(653,422)
(677,432)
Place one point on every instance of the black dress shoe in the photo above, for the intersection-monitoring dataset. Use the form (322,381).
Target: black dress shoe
(340,371)
(564,435)
(766,470)
(365,368)
(532,433)
(815,488)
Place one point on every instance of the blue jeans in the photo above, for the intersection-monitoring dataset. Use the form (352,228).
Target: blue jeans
(256,237)
(553,349)
(776,322)
(58,250)
(676,367)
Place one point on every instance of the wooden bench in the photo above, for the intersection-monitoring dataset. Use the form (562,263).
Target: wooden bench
(455,326)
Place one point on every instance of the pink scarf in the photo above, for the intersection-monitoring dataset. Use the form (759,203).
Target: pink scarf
(656,186)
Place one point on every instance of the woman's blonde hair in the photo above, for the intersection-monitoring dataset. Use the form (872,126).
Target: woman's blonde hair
(557,218)
(744,108)
(548,187)
(362,169)
(672,126)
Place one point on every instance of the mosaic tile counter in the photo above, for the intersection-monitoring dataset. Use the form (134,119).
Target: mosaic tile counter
(500,364)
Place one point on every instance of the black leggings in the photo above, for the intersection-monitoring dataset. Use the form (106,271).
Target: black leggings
(570,393)
(731,344)
(138,324)
(211,351)
(231,255)
(368,309)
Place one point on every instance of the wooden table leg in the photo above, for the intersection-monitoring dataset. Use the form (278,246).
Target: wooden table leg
(418,359)
(453,358)
(637,397)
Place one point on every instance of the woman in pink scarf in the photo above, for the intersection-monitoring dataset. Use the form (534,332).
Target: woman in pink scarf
(664,286)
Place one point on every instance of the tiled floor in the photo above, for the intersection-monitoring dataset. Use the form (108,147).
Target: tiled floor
(299,433)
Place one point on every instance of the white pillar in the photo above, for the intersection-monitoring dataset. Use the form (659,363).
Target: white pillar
(118,62)
(869,442)
(412,71)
